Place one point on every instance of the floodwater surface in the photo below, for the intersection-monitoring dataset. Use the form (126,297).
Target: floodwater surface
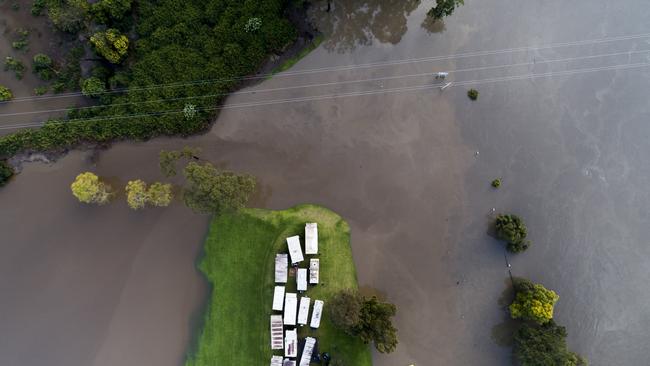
(409,169)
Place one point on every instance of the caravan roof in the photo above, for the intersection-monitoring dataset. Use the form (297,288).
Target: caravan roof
(276,361)
(301,279)
(276,332)
(291,343)
(314,268)
(311,238)
(303,311)
(290,307)
(305,359)
(281,268)
(316,314)
(278,298)
(295,251)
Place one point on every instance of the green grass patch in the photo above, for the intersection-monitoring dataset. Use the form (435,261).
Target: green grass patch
(286,65)
(239,263)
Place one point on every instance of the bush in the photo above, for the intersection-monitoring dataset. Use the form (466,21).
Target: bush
(43,66)
(533,302)
(89,189)
(92,87)
(110,44)
(544,345)
(496,183)
(15,65)
(512,229)
(37,7)
(5,94)
(472,94)
(20,45)
(40,90)
(6,172)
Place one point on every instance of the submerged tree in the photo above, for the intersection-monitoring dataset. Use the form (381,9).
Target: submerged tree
(214,191)
(543,346)
(168,159)
(512,229)
(533,302)
(5,94)
(89,189)
(160,194)
(444,8)
(136,194)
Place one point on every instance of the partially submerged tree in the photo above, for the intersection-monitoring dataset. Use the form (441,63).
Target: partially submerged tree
(444,8)
(533,302)
(89,189)
(5,94)
(111,44)
(214,191)
(160,194)
(512,229)
(6,172)
(136,194)
(168,159)
(543,346)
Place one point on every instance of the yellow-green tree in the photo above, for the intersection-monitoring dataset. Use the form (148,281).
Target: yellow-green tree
(136,194)
(160,194)
(111,44)
(89,189)
(533,302)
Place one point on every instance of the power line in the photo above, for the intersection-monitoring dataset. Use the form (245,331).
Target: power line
(330,83)
(346,67)
(350,94)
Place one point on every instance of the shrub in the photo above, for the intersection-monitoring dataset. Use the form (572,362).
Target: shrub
(5,94)
(6,172)
(110,44)
(512,229)
(472,94)
(20,45)
(16,66)
(544,345)
(40,90)
(496,183)
(89,189)
(37,7)
(92,87)
(533,302)
(43,66)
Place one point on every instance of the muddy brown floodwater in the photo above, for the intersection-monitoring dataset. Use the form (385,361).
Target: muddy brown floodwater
(410,171)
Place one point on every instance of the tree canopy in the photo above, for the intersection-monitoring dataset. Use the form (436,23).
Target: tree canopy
(111,44)
(544,346)
(160,194)
(345,310)
(138,196)
(444,8)
(533,302)
(512,229)
(215,191)
(89,189)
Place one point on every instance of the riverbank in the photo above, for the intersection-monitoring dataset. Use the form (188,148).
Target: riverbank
(238,262)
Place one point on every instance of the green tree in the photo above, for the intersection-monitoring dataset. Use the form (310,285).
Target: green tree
(533,302)
(92,87)
(111,44)
(375,325)
(160,194)
(68,15)
(168,159)
(5,94)
(213,191)
(444,8)
(6,172)
(544,346)
(512,229)
(136,194)
(105,10)
(345,310)
(89,189)
(43,66)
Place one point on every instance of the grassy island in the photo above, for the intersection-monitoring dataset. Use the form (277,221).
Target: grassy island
(239,264)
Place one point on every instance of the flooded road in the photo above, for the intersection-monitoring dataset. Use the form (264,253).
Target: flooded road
(410,171)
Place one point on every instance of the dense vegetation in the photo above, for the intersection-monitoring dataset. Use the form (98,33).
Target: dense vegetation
(444,8)
(88,188)
(366,318)
(544,345)
(238,262)
(533,302)
(512,229)
(6,172)
(214,41)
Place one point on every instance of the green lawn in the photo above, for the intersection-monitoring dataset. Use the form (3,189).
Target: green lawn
(239,263)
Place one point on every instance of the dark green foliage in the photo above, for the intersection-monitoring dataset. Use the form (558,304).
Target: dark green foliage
(68,77)
(68,15)
(215,191)
(513,230)
(5,94)
(496,183)
(16,66)
(6,172)
(345,310)
(168,159)
(107,10)
(176,43)
(544,345)
(472,94)
(367,318)
(43,66)
(93,87)
(444,8)
(37,7)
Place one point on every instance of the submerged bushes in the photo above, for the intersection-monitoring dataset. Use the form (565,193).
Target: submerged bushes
(6,172)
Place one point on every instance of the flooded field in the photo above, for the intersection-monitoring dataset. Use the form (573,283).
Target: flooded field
(409,169)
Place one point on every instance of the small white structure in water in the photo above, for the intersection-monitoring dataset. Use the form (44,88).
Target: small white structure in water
(290,308)
(276,361)
(303,310)
(314,268)
(316,314)
(281,268)
(295,251)
(278,298)
(276,332)
(291,343)
(311,238)
(310,343)
(301,279)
